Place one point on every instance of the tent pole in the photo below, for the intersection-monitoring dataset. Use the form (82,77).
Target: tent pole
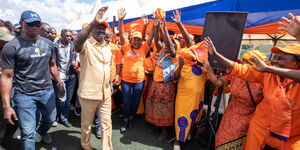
(275,40)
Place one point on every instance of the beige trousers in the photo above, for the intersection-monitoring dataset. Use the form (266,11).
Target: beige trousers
(88,110)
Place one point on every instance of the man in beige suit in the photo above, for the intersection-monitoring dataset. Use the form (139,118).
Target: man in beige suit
(94,87)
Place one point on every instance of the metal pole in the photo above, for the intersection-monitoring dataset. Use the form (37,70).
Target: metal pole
(215,118)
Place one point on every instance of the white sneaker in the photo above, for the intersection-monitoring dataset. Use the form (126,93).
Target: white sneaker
(176,147)
(17,134)
(38,137)
(54,124)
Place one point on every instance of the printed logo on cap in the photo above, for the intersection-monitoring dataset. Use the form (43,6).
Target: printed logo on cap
(34,15)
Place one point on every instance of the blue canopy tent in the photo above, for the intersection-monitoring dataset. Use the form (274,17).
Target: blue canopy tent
(260,12)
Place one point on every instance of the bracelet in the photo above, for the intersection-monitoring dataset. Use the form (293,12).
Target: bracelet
(222,80)
(60,83)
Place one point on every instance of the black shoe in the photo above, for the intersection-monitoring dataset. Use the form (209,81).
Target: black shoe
(77,111)
(66,123)
(130,125)
(162,137)
(98,133)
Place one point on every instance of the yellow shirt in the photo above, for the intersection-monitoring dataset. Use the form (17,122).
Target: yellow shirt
(95,63)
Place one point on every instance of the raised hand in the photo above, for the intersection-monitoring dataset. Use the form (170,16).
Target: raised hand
(210,46)
(260,65)
(177,16)
(154,16)
(145,19)
(291,25)
(121,13)
(99,16)
(156,19)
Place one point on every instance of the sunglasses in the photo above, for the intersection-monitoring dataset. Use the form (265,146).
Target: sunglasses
(34,24)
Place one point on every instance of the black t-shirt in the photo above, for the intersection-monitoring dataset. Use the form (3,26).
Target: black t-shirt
(30,60)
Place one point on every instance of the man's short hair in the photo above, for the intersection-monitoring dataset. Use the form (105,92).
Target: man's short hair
(9,26)
(44,24)
(63,31)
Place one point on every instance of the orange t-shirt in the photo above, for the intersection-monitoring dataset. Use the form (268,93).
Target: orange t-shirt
(158,72)
(133,63)
(117,38)
(148,64)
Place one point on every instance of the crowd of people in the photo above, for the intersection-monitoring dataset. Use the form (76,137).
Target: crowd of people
(158,73)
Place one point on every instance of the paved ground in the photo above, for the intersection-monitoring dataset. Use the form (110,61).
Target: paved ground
(69,138)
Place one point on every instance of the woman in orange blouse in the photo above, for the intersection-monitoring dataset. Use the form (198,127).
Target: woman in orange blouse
(133,73)
(161,98)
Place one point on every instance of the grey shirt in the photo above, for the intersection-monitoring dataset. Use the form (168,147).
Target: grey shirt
(64,57)
(30,60)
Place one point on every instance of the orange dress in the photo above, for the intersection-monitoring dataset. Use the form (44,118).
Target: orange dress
(235,121)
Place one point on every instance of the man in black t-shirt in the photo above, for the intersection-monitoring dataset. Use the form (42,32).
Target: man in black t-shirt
(29,61)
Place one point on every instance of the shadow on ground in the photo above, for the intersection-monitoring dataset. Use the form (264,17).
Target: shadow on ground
(69,138)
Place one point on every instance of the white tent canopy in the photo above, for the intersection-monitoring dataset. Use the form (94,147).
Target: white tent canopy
(134,8)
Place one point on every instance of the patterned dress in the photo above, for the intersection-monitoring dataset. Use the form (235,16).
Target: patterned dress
(235,122)
(190,90)
(161,98)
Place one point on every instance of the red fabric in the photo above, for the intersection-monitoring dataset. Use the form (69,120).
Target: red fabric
(160,104)
(271,28)
(236,118)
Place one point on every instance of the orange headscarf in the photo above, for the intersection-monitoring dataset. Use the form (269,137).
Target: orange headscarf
(256,53)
